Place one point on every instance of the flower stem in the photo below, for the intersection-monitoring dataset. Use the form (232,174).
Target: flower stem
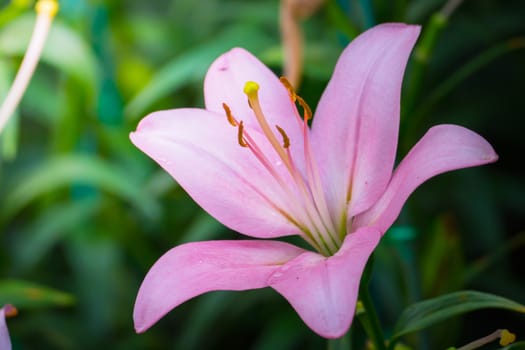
(343,343)
(46,10)
(370,321)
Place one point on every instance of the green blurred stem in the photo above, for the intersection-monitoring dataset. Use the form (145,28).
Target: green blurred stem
(368,13)
(340,20)
(343,343)
(422,54)
(501,251)
(450,7)
(370,321)
(13,10)
(423,51)
(480,61)
(400,9)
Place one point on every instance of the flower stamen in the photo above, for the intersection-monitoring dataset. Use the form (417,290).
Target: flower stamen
(307,111)
(307,208)
(286,139)
(229,114)
(46,11)
(289,87)
(251,90)
(245,140)
(240,135)
(313,179)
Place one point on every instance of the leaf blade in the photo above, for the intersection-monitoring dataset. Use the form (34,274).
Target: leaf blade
(24,294)
(429,312)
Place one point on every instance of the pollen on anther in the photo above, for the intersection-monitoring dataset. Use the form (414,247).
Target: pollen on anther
(229,114)
(506,337)
(286,139)
(240,135)
(306,109)
(289,87)
(48,7)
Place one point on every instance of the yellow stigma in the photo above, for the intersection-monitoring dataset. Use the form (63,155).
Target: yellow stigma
(251,88)
(48,7)
(506,337)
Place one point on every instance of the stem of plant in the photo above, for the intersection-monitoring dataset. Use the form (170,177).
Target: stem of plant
(46,11)
(370,321)
(343,343)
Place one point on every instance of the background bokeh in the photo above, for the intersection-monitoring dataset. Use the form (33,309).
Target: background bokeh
(84,214)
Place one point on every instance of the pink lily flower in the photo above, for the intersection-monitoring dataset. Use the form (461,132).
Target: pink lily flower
(6,311)
(253,163)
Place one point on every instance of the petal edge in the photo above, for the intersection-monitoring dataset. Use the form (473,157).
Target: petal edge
(324,291)
(443,148)
(195,268)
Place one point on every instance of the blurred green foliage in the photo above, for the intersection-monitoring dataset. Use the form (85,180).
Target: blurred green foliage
(83,214)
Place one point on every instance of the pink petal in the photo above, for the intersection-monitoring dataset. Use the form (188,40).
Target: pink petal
(443,148)
(200,150)
(323,290)
(196,268)
(355,127)
(225,82)
(5,341)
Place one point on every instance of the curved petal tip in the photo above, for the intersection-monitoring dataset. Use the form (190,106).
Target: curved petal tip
(323,291)
(192,269)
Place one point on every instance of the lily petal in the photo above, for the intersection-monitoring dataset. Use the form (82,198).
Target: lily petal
(441,149)
(192,269)
(323,290)
(354,132)
(200,150)
(5,341)
(224,83)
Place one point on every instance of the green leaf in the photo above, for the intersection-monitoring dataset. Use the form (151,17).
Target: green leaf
(96,261)
(343,343)
(35,240)
(453,80)
(516,346)
(441,259)
(192,66)
(24,294)
(429,312)
(77,169)
(340,19)
(203,228)
(64,48)
(9,136)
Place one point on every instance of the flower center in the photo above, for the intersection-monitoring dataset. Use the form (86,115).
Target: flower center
(306,206)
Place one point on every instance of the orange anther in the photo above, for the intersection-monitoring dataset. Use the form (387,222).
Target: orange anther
(289,87)
(229,114)
(240,135)
(286,139)
(306,109)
